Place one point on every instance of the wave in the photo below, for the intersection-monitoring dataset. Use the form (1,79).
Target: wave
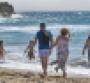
(71,71)
(13,19)
(17,16)
(49,18)
(72,28)
(13,16)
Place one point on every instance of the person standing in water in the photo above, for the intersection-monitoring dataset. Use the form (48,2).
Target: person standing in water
(62,49)
(45,40)
(1,51)
(87,46)
(30,50)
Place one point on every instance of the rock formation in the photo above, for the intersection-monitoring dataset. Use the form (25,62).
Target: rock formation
(6,9)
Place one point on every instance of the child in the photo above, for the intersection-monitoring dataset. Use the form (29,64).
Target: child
(1,51)
(30,50)
(87,46)
(61,44)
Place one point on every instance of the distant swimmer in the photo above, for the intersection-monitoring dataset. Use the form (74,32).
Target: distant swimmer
(62,49)
(87,46)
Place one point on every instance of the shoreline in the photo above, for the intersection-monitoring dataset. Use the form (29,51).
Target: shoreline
(16,72)
(12,67)
(32,78)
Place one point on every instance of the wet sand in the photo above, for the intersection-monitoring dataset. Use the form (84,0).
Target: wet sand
(14,77)
(26,73)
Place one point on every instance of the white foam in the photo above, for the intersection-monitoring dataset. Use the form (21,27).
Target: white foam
(72,28)
(16,16)
(12,16)
(13,19)
(72,71)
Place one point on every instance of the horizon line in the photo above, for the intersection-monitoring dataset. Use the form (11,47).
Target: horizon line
(54,11)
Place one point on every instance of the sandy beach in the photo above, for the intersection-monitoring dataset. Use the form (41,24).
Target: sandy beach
(17,72)
(30,78)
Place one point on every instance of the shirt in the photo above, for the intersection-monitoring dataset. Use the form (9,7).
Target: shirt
(41,39)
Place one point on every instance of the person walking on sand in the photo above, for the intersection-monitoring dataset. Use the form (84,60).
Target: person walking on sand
(87,46)
(62,44)
(45,40)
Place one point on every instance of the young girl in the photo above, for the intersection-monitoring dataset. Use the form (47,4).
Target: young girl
(30,50)
(62,43)
(1,51)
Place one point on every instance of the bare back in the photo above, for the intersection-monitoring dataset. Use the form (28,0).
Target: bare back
(62,43)
(88,43)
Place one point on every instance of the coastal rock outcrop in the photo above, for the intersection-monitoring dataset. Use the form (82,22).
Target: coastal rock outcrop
(6,9)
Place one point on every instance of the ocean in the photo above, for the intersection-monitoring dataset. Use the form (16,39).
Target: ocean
(19,29)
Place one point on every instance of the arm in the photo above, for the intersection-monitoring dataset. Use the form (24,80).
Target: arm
(55,43)
(51,39)
(51,43)
(85,46)
(35,41)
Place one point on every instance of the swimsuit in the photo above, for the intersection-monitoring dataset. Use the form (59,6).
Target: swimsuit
(62,52)
(30,54)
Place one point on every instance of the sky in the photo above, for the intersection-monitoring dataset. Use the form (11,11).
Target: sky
(50,5)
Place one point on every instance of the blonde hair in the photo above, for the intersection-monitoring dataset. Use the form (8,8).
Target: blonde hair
(64,31)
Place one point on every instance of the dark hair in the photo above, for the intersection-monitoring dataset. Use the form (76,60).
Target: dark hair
(42,25)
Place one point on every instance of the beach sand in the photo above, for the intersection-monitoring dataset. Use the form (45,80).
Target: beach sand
(16,72)
(29,78)
(11,76)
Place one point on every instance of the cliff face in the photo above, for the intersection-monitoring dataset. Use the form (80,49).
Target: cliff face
(6,10)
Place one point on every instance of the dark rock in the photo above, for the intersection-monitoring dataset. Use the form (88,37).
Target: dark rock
(6,9)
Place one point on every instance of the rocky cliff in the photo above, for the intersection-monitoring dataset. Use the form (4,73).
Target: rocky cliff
(6,9)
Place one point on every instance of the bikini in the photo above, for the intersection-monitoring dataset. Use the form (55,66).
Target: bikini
(62,52)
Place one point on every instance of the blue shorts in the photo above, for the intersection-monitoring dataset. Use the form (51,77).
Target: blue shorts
(44,52)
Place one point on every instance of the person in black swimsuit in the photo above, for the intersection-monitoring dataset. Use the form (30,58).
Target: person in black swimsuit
(30,50)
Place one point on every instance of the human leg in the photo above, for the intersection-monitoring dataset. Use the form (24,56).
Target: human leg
(44,61)
(44,54)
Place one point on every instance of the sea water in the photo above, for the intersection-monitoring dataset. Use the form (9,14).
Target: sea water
(19,29)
